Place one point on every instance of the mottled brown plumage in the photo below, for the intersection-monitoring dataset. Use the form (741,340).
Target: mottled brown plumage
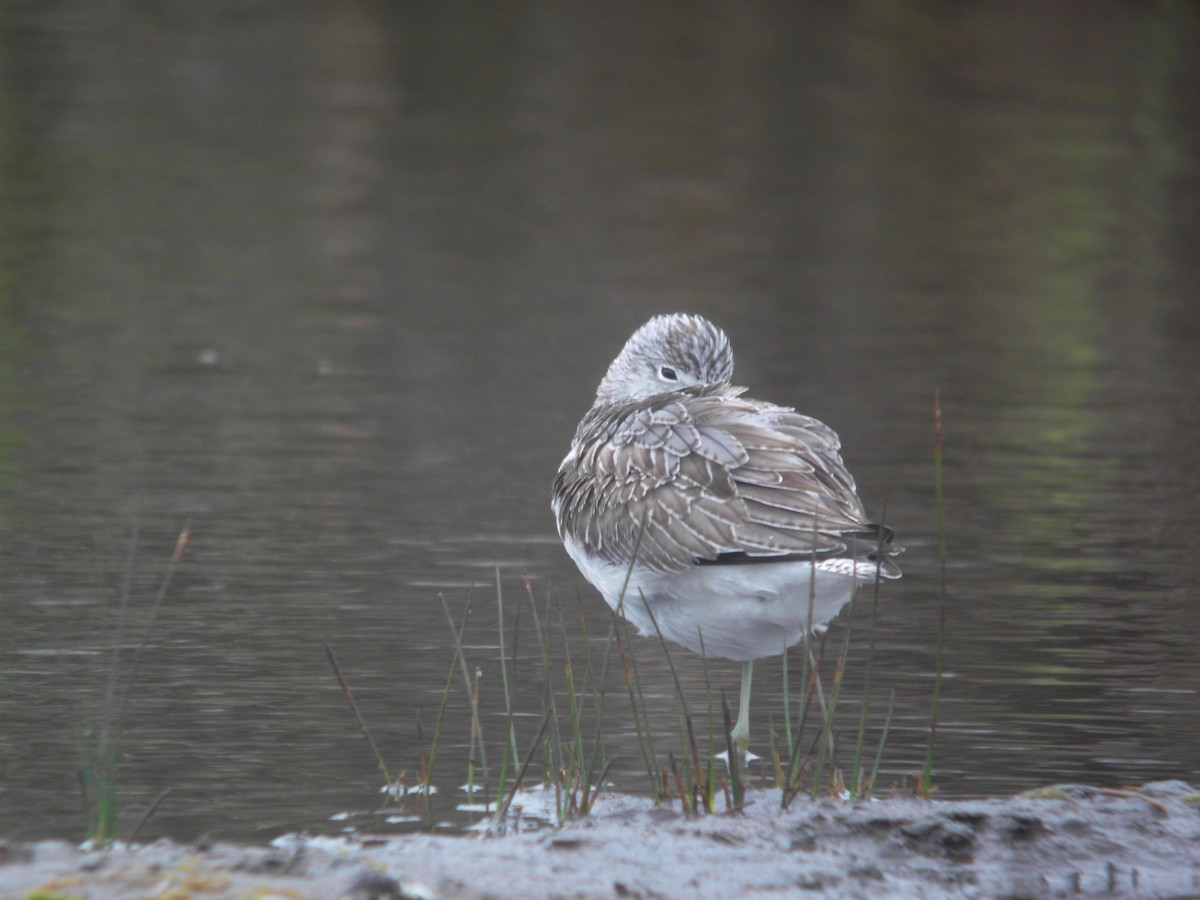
(732,521)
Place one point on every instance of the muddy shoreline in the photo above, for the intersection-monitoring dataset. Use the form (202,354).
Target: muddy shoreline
(1060,841)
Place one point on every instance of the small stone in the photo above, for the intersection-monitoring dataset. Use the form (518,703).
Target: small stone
(372,885)
(1020,827)
(956,836)
(803,842)
(1075,825)
(14,853)
(920,829)
(867,873)
(872,821)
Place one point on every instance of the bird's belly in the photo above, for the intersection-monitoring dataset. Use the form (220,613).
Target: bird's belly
(741,612)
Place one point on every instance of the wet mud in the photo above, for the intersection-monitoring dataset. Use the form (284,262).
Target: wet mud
(1060,841)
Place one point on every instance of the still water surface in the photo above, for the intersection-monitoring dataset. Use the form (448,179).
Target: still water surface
(336,285)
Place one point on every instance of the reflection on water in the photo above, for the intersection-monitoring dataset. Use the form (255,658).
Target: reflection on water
(335,285)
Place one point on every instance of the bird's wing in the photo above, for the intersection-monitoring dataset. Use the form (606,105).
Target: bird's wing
(698,475)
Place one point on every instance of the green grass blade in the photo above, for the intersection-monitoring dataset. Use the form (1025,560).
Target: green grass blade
(887,724)
(457,632)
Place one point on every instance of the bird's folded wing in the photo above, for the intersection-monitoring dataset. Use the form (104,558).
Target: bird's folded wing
(701,473)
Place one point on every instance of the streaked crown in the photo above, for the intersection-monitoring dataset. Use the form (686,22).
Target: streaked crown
(668,353)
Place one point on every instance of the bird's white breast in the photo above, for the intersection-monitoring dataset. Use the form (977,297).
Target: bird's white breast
(742,612)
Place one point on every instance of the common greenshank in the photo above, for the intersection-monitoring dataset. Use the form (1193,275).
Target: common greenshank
(718,517)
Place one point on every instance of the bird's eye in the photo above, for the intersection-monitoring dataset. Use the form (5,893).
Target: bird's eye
(668,373)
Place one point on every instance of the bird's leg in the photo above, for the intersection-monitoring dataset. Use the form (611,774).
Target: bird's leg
(741,731)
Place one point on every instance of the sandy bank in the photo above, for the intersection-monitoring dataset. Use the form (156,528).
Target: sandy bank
(1067,841)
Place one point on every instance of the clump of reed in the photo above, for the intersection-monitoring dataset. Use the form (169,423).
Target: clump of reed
(98,740)
(566,751)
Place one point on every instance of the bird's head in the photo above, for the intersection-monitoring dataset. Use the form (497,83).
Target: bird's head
(668,353)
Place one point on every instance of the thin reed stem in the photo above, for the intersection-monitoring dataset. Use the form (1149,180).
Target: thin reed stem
(457,632)
(477,746)
(710,772)
(362,723)
(637,704)
(735,774)
(855,768)
(503,811)
(926,787)
(110,692)
(148,814)
(887,724)
(185,535)
(511,743)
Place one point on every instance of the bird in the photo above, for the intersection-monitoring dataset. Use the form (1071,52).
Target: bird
(729,525)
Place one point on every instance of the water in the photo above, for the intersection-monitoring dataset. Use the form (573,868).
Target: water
(335,285)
